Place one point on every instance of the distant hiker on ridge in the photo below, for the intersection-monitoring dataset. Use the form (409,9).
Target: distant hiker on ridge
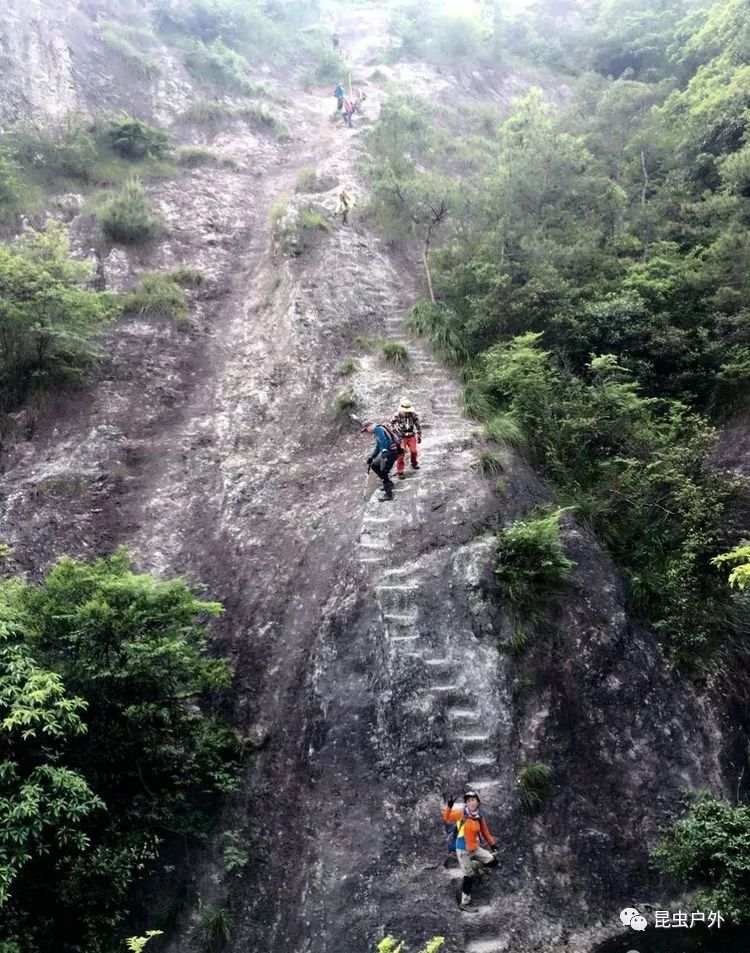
(335,40)
(406,425)
(383,455)
(470,826)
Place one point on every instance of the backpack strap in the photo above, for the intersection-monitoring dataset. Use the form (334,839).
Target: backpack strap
(393,437)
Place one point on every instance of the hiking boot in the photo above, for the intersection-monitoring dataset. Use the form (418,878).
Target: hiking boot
(415,466)
(402,476)
(464,902)
(385,498)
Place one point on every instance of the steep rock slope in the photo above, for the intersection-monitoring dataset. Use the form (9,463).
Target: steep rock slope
(365,637)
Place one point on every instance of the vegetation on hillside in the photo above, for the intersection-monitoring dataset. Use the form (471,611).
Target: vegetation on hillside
(589,274)
(109,747)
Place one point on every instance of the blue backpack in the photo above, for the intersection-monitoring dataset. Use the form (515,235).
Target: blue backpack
(452,829)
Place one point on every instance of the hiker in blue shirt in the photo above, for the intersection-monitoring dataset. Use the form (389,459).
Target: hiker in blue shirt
(384,455)
(339,94)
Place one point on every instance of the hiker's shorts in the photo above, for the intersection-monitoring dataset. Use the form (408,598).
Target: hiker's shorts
(468,859)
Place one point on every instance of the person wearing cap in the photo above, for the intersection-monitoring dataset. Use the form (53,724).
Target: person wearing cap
(406,424)
(471,827)
(383,455)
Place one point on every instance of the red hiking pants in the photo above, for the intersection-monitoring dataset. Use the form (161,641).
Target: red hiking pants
(410,444)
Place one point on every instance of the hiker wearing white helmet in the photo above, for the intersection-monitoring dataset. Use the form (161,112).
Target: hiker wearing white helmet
(470,832)
(406,424)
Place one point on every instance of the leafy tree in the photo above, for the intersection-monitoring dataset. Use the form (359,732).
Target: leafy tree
(10,187)
(48,318)
(42,802)
(740,574)
(112,751)
(710,849)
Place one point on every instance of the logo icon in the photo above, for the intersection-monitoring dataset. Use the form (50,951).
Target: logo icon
(630,917)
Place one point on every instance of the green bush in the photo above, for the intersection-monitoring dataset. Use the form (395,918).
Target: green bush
(534,781)
(349,366)
(193,156)
(327,65)
(207,110)
(710,849)
(135,139)
(390,944)
(278,210)
(157,294)
(70,154)
(105,684)
(48,314)
(441,326)
(739,558)
(129,218)
(531,567)
(215,64)
(368,343)
(395,353)
(344,402)
(215,929)
(263,33)
(490,464)
(259,116)
(116,37)
(311,218)
(192,277)
(235,857)
(307,179)
(516,642)
(504,428)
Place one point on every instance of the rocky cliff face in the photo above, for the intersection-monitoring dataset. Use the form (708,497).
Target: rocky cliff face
(364,636)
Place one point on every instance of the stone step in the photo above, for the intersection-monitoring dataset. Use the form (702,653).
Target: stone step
(480,759)
(482,785)
(395,587)
(495,944)
(473,739)
(463,714)
(407,637)
(401,618)
(373,544)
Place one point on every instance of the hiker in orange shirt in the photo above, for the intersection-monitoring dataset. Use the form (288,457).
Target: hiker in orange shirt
(470,828)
